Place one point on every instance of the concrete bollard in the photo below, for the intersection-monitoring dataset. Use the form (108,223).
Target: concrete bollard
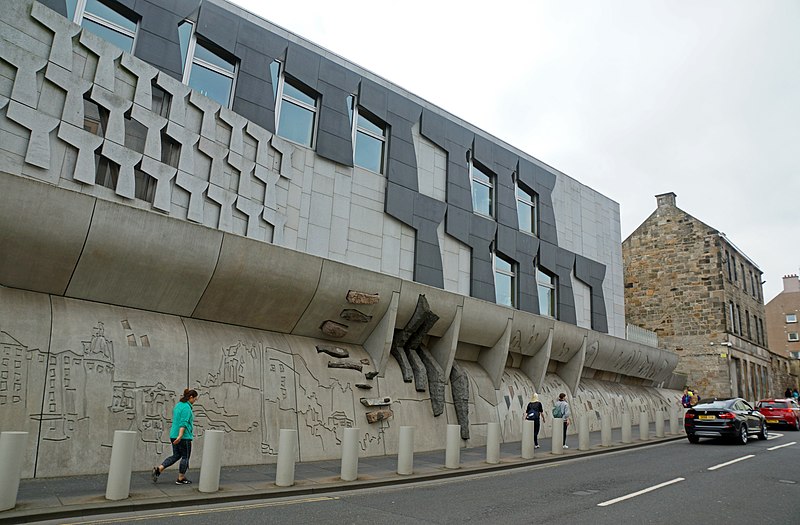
(605,431)
(557,439)
(212,461)
(583,433)
(452,457)
(626,428)
(644,427)
(287,451)
(405,452)
(118,485)
(493,443)
(659,423)
(674,421)
(527,439)
(350,454)
(12,452)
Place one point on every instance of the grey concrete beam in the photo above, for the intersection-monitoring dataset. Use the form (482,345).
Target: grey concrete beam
(40,126)
(571,371)
(104,75)
(444,348)
(86,143)
(63,32)
(535,366)
(493,359)
(379,343)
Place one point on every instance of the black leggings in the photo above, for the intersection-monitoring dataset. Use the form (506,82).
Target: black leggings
(181,452)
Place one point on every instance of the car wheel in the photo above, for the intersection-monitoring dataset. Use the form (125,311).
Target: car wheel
(742,437)
(763,434)
(797,424)
(693,439)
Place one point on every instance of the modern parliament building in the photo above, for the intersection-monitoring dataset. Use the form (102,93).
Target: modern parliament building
(193,196)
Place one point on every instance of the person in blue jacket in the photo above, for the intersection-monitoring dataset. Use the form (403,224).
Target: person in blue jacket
(181,434)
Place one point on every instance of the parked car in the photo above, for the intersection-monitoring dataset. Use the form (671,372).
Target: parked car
(734,418)
(780,412)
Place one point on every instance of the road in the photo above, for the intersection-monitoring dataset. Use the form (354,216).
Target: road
(674,482)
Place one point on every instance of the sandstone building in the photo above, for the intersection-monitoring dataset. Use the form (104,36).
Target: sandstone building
(783,326)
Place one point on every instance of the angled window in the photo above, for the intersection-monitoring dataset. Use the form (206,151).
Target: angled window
(369,137)
(505,281)
(792,336)
(482,183)
(791,318)
(205,69)
(105,19)
(295,107)
(527,209)
(547,285)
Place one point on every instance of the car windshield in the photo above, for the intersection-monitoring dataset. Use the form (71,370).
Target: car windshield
(774,405)
(714,404)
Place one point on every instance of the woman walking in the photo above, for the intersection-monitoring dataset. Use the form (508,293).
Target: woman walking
(181,435)
(533,412)
(562,410)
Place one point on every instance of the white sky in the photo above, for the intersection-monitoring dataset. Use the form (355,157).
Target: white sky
(632,98)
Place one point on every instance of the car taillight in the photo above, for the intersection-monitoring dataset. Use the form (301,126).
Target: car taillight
(727,415)
(688,415)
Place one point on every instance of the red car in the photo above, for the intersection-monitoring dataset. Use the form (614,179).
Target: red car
(780,412)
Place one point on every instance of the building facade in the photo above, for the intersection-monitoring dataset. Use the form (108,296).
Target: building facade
(190,195)
(702,296)
(783,328)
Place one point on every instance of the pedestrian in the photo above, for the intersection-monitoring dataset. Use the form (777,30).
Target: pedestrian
(181,435)
(795,394)
(533,412)
(562,410)
(788,393)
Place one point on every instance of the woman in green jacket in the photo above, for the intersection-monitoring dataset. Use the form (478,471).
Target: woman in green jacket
(181,434)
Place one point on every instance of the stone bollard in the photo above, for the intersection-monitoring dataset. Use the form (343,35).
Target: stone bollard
(287,451)
(493,443)
(605,431)
(659,423)
(350,454)
(12,452)
(644,427)
(557,439)
(626,428)
(583,433)
(212,461)
(527,439)
(452,457)
(674,421)
(118,485)
(405,452)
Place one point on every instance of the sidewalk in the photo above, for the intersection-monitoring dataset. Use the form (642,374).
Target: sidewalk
(61,498)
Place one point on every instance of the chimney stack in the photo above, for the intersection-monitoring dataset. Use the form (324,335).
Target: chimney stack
(791,283)
(666,199)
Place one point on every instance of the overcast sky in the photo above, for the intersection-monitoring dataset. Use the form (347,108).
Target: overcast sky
(632,98)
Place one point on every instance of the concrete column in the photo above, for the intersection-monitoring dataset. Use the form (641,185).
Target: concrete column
(644,427)
(605,431)
(583,432)
(287,450)
(527,439)
(119,473)
(405,452)
(212,461)
(659,423)
(493,443)
(12,452)
(452,457)
(626,428)
(350,454)
(557,439)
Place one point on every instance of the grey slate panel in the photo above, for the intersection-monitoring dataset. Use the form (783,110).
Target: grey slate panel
(218,26)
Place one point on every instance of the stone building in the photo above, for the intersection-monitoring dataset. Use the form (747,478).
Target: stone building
(687,281)
(783,327)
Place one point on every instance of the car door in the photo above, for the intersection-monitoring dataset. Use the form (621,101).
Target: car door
(753,421)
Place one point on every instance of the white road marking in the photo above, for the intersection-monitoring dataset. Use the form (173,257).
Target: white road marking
(776,447)
(715,467)
(639,493)
(774,435)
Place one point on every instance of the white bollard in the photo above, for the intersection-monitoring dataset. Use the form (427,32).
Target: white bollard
(644,427)
(452,457)
(212,461)
(12,452)
(287,446)
(583,433)
(674,421)
(527,439)
(605,431)
(350,454)
(626,428)
(118,485)
(405,452)
(557,436)
(493,443)
(659,423)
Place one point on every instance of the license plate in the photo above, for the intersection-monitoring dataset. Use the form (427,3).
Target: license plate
(773,421)
(705,417)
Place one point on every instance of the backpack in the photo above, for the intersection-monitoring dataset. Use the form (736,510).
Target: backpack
(532,414)
(558,411)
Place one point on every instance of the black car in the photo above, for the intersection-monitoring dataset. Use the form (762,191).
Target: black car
(734,418)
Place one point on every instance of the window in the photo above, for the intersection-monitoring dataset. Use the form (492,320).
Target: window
(546,285)
(527,209)
(791,318)
(204,69)
(369,138)
(735,275)
(295,107)
(728,263)
(505,281)
(482,183)
(747,319)
(732,318)
(105,21)
(792,336)
(738,320)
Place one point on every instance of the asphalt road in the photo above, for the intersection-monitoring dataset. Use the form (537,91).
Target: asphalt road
(675,482)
